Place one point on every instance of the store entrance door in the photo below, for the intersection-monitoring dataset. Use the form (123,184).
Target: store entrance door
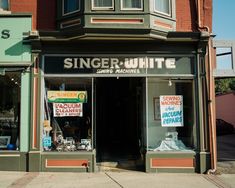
(118,123)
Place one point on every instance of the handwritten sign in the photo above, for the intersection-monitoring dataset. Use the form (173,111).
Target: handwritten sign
(171,107)
(67,96)
(67,109)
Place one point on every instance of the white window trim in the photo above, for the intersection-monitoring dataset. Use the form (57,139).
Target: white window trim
(163,13)
(65,14)
(122,8)
(101,8)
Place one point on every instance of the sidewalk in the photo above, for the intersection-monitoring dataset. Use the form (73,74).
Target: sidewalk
(127,179)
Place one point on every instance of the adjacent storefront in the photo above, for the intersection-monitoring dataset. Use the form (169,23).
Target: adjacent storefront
(15,60)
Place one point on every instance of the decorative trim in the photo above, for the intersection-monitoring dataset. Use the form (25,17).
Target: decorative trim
(117,20)
(2,11)
(66,163)
(35,96)
(172,163)
(162,24)
(70,23)
(8,155)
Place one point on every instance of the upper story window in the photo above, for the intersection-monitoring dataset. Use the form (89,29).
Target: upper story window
(70,6)
(4,5)
(163,7)
(132,4)
(102,4)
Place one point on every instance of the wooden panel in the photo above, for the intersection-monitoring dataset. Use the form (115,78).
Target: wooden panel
(162,24)
(65,163)
(172,163)
(117,20)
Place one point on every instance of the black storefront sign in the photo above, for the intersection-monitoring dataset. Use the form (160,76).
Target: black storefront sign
(117,64)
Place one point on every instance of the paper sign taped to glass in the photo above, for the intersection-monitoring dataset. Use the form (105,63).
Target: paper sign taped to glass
(67,109)
(171,108)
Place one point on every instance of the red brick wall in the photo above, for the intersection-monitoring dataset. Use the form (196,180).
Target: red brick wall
(47,15)
(186,14)
(25,6)
(186,17)
(43,12)
(207,14)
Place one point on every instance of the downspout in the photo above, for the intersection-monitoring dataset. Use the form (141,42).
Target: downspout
(212,127)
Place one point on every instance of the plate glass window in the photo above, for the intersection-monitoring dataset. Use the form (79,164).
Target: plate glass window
(4,5)
(171,125)
(67,125)
(132,4)
(162,6)
(70,6)
(10,87)
(102,4)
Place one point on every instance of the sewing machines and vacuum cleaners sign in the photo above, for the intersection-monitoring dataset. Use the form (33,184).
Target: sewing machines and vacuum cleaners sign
(171,107)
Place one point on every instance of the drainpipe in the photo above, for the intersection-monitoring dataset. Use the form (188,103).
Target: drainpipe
(212,123)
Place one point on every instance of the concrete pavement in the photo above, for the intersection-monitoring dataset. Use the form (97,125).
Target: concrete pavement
(128,179)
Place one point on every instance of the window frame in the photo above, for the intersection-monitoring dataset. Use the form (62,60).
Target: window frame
(93,7)
(163,13)
(194,116)
(43,90)
(8,5)
(142,6)
(72,12)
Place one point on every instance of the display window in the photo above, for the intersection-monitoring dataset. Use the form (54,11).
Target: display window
(171,124)
(67,122)
(10,88)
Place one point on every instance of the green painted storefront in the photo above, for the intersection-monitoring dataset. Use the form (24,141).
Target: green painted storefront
(87,65)
(15,61)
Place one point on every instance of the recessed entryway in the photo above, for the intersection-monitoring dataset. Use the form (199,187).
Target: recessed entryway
(119,115)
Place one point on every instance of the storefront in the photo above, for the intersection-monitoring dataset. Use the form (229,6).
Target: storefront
(116,103)
(15,61)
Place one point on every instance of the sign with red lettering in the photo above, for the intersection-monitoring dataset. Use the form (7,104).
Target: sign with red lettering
(67,109)
(171,107)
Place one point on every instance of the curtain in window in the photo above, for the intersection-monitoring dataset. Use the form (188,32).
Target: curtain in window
(132,4)
(162,6)
(103,3)
(71,5)
(4,4)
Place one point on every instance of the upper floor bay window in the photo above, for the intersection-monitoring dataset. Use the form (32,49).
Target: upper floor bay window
(132,4)
(163,7)
(70,6)
(4,5)
(102,4)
